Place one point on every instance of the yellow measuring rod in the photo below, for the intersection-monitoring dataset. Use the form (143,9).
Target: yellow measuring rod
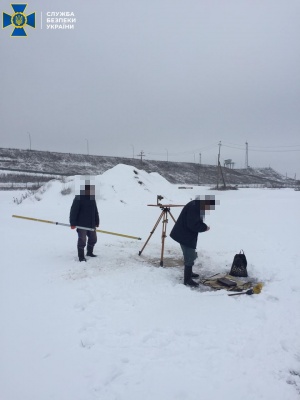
(79,227)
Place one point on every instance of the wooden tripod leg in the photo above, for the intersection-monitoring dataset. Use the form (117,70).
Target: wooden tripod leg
(172,216)
(151,233)
(163,236)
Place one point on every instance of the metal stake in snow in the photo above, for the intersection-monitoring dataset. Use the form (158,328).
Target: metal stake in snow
(79,227)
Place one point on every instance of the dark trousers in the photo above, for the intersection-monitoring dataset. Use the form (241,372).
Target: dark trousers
(82,235)
(189,255)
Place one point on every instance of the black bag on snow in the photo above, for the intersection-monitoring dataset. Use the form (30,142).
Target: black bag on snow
(239,265)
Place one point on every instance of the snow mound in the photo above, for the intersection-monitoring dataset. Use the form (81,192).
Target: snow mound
(125,183)
(120,183)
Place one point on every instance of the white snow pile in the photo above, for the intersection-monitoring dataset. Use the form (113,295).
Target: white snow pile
(120,327)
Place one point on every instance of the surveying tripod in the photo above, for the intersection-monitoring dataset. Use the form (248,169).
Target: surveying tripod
(164,216)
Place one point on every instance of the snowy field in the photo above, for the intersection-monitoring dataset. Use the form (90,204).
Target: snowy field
(119,327)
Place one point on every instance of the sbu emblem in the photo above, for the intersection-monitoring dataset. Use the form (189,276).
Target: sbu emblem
(19,20)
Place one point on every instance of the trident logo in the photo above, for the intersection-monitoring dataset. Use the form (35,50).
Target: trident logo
(19,20)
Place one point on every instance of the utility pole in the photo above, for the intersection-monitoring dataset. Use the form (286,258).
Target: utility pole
(87,147)
(199,169)
(29,140)
(246,158)
(220,144)
(142,154)
(218,166)
(220,172)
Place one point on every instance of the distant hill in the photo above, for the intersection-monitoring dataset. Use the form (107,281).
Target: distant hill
(66,164)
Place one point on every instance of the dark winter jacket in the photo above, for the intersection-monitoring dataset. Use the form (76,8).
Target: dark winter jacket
(84,212)
(188,225)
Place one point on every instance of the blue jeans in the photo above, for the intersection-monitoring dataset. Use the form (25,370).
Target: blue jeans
(189,255)
(83,234)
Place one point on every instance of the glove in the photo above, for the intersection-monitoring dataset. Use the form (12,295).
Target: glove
(73,227)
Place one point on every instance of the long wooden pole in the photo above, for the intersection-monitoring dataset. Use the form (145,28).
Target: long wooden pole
(78,227)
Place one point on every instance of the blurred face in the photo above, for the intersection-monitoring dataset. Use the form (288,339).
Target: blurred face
(90,190)
(207,205)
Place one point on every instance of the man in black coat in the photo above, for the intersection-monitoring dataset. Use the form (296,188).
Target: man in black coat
(84,213)
(185,231)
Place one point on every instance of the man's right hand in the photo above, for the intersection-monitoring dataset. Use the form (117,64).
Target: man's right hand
(73,227)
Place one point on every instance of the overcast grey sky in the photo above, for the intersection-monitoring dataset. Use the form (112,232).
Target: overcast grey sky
(169,77)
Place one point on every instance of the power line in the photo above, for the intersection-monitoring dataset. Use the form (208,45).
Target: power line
(196,150)
(272,147)
(234,147)
(275,151)
(263,149)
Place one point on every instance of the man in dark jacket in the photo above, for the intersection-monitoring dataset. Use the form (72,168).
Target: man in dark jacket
(84,213)
(185,232)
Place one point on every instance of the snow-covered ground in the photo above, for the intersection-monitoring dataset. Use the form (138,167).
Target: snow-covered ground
(119,327)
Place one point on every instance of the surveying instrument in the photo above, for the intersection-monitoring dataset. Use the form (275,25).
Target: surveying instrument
(165,210)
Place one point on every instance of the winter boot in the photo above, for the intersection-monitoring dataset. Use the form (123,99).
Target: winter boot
(194,275)
(188,277)
(90,251)
(81,254)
